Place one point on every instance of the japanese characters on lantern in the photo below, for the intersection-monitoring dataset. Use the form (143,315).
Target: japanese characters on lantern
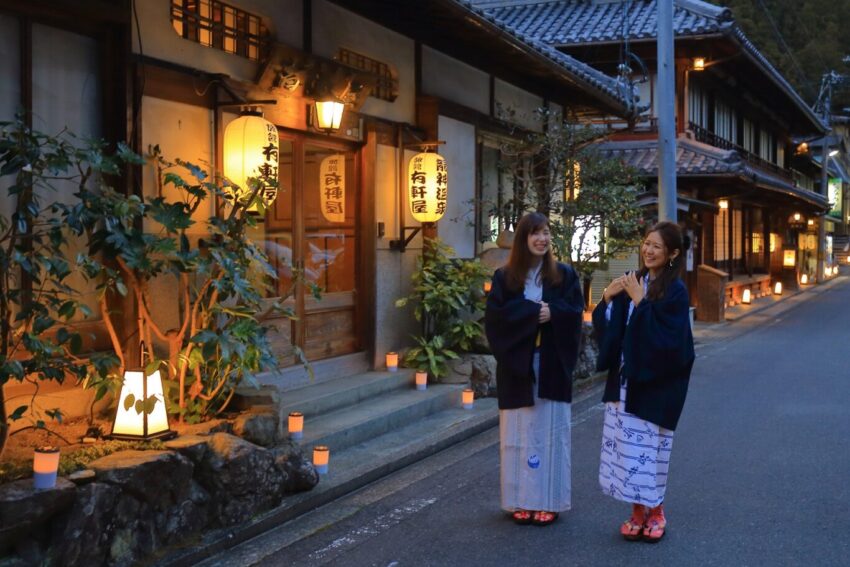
(427,187)
(251,150)
(332,187)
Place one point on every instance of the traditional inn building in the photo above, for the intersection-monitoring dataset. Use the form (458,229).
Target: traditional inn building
(174,73)
(749,205)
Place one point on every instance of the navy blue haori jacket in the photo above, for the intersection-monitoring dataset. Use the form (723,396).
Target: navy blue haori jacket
(657,349)
(511,324)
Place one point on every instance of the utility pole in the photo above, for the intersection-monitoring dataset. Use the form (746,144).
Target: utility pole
(825,102)
(666,113)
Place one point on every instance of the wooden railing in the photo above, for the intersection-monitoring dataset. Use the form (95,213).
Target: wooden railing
(708,137)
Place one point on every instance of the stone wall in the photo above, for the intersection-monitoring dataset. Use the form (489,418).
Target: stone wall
(131,505)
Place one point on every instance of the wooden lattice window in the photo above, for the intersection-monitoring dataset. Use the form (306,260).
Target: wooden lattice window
(219,25)
(386,87)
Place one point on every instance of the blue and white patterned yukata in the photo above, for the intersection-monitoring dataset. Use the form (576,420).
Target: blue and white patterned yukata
(635,453)
(535,445)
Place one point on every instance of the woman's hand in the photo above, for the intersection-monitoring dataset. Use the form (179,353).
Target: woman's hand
(614,288)
(634,287)
(545,314)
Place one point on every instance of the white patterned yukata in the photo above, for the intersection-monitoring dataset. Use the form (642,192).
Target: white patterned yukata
(635,453)
(535,445)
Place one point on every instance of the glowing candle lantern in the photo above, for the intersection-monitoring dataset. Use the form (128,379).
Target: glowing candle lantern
(746,297)
(45,466)
(251,150)
(296,425)
(789,258)
(777,288)
(804,279)
(392,361)
(421,380)
(141,413)
(427,187)
(467,397)
(321,456)
(329,115)
(488,285)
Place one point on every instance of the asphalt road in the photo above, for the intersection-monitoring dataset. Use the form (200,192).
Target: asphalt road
(760,474)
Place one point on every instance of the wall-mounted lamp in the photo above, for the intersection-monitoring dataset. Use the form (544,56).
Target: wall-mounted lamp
(328,114)
(833,153)
(699,64)
(723,204)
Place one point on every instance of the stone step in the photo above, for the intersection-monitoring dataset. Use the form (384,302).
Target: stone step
(325,397)
(351,469)
(371,418)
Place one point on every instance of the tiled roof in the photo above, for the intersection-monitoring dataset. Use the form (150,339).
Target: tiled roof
(583,73)
(564,22)
(571,22)
(697,159)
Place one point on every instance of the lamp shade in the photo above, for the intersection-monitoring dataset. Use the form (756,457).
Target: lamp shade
(421,380)
(296,425)
(746,297)
(329,115)
(804,279)
(321,456)
(467,397)
(251,150)
(777,288)
(45,467)
(427,186)
(141,412)
(392,361)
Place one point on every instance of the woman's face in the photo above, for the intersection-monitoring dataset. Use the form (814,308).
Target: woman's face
(538,241)
(654,252)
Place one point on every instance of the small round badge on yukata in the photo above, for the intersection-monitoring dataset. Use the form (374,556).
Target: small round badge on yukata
(533,461)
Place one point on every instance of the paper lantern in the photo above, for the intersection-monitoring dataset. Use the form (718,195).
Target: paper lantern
(488,285)
(427,186)
(45,466)
(296,425)
(329,115)
(777,288)
(804,279)
(141,413)
(332,188)
(723,204)
(321,456)
(251,150)
(467,397)
(746,297)
(421,380)
(392,361)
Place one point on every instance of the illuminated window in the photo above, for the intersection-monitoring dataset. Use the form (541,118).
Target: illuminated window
(219,25)
(386,87)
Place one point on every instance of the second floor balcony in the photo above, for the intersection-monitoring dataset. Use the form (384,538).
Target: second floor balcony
(706,136)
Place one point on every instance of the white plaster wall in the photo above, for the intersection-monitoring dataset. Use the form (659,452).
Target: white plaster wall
(456,228)
(523,103)
(159,40)
(334,27)
(181,131)
(450,79)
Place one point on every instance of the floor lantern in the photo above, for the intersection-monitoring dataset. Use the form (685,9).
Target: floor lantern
(141,413)
(45,467)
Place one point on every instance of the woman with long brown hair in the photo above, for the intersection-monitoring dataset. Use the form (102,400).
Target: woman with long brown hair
(533,323)
(645,343)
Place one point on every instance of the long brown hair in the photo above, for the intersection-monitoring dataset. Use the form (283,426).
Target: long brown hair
(671,235)
(521,258)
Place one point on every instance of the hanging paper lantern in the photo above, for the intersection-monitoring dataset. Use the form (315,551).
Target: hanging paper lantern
(332,187)
(251,150)
(427,186)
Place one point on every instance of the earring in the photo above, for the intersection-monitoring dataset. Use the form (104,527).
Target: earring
(671,263)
